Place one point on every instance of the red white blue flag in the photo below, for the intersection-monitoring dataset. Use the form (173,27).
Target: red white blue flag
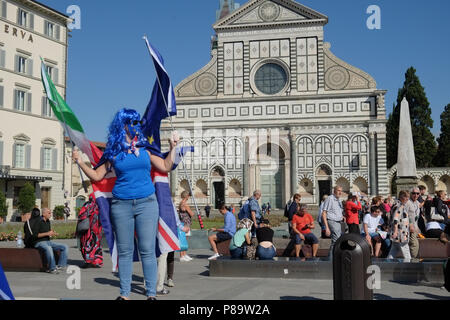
(5,290)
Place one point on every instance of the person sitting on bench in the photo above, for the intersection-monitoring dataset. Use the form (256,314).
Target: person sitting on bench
(265,250)
(44,232)
(224,234)
(302,223)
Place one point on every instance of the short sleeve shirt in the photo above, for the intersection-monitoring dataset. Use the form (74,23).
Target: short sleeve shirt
(301,222)
(230,224)
(254,206)
(238,238)
(333,207)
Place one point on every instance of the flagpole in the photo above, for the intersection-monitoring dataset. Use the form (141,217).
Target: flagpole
(180,153)
(70,138)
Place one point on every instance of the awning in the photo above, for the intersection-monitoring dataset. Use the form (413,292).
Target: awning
(26,178)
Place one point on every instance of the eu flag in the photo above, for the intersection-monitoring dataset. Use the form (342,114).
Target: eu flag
(162,103)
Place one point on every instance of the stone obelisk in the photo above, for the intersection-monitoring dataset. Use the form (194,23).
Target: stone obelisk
(406,161)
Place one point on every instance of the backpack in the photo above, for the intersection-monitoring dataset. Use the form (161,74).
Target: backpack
(286,208)
(244,212)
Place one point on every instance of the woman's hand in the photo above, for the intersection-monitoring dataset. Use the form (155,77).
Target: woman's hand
(76,157)
(173,141)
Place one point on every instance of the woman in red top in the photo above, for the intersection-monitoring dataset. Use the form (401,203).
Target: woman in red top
(352,206)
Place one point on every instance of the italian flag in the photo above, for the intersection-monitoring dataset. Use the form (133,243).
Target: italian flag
(68,119)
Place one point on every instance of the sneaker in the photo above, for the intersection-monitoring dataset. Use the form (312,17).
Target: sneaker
(61,268)
(189,257)
(54,271)
(184,259)
(170,283)
(162,292)
(214,257)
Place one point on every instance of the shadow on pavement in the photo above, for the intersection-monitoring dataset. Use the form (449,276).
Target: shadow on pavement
(380,296)
(299,298)
(116,283)
(433,296)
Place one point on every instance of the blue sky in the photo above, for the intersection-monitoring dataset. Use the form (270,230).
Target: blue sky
(109,66)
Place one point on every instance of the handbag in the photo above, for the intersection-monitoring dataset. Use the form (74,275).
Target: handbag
(436,217)
(183,241)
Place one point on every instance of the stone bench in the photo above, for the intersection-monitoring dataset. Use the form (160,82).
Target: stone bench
(280,245)
(428,248)
(24,260)
(429,272)
(433,248)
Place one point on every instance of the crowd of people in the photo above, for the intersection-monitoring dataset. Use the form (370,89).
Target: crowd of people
(392,227)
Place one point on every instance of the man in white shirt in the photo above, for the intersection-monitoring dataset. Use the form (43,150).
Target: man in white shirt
(332,216)
(413,206)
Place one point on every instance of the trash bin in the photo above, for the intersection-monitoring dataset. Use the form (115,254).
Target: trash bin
(351,258)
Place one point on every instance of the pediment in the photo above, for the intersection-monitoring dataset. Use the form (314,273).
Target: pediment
(270,12)
(22,138)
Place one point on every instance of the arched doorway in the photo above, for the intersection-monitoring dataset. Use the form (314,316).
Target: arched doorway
(324,181)
(218,186)
(271,161)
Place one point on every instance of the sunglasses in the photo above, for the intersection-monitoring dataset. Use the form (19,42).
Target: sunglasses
(415,193)
(135,122)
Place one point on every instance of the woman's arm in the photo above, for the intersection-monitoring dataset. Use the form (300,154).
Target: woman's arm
(247,237)
(165,165)
(94,175)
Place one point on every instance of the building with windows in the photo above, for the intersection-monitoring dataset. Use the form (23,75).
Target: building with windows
(276,110)
(31,138)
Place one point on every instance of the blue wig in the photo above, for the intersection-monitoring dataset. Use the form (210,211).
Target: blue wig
(117,144)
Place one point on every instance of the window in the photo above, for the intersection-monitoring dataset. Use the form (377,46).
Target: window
(21,64)
(3,9)
(20,100)
(49,71)
(271,78)
(2,58)
(47,159)
(19,156)
(1,96)
(23,17)
(49,29)
(46,108)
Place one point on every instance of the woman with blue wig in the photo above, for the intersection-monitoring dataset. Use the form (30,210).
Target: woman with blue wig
(134,206)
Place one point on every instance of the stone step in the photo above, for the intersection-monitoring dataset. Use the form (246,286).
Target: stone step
(430,272)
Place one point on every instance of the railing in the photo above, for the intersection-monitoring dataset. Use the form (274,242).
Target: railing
(5,170)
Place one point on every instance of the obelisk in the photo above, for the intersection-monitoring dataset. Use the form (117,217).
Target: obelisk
(406,160)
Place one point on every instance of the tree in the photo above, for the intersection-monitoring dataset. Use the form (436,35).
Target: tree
(442,158)
(27,198)
(3,206)
(421,123)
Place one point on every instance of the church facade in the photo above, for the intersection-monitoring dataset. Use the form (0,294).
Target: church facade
(276,110)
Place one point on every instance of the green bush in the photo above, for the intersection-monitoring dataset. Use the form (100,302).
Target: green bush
(65,230)
(27,198)
(3,206)
(58,213)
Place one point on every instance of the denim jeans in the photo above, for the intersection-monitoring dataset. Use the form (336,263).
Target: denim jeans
(48,247)
(336,232)
(140,216)
(265,253)
(237,253)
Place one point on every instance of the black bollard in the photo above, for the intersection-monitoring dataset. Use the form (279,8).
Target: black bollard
(351,258)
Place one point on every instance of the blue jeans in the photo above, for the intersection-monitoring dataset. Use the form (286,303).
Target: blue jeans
(142,216)
(265,253)
(48,247)
(237,253)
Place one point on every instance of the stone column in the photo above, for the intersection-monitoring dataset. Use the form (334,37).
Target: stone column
(245,165)
(373,163)
(293,175)
(173,183)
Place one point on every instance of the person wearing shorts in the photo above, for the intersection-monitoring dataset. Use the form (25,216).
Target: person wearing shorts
(224,234)
(302,223)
